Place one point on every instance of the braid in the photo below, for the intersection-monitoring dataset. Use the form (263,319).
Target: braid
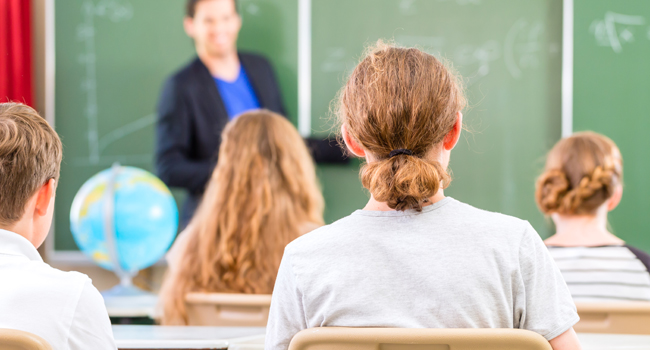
(600,179)
(552,186)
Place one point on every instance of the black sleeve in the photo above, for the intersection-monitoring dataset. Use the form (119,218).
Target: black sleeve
(641,255)
(173,142)
(327,151)
(276,88)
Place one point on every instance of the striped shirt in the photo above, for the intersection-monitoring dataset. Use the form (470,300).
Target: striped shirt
(604,273)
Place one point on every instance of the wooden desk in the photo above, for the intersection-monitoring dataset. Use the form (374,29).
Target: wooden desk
(252,338)
(590,341)
(169,337)
(596,341)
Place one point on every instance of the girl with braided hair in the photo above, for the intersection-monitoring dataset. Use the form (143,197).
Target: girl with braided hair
(582,182)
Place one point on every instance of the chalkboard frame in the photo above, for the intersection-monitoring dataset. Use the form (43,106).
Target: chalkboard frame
(77,258)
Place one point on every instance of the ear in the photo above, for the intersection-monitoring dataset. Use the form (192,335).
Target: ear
(44,198)
(613,202)
(188,25)
(352,144)
(452,137)
(239,21)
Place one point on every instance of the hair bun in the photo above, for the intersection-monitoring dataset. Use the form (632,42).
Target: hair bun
(404,182)
(552,186)
(601,181)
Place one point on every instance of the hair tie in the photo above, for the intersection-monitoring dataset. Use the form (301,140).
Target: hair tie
(399,151)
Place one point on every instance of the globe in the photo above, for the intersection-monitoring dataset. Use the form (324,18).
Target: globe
(124,218)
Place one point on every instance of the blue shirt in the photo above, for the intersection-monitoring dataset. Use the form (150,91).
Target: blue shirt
(238,96)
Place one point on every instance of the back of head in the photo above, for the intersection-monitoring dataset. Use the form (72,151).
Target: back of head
(30,155)
(581,173)
(262,194)
(401,98)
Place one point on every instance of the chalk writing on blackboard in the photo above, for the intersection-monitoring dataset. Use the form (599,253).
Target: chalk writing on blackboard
(522,46)
(479,56)
(616,29)
(116,11)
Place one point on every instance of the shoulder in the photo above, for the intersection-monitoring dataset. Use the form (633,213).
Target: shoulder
(322,237)
(176,252)
(186,74)
(641,255)
(481,219)
(59,279)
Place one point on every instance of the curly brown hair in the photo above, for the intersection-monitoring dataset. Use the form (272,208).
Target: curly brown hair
(401,98)
(582,172)
(263,194)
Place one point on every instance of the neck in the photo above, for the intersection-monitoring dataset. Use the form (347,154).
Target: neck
(584,230)
(224,66)
(375,205)
(23,228)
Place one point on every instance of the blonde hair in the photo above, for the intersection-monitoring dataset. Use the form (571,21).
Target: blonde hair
(262,194)
(581,173)
(30,155)
(401,98)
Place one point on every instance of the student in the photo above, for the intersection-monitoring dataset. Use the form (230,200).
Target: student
(62,307)
(263,194)
(412,257)
(582,182)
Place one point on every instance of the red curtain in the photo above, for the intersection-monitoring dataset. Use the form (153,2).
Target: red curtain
(15,51)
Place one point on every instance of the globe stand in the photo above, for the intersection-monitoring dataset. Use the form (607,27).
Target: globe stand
(125,299)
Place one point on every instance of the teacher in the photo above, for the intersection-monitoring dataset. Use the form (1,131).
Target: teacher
(197,101)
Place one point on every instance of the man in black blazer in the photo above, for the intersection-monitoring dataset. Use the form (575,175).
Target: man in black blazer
(198,101)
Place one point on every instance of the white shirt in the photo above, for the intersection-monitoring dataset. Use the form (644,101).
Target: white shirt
(449,266)
(603,274)
(64,308)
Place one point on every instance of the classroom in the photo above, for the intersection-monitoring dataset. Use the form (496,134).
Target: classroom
(324,174)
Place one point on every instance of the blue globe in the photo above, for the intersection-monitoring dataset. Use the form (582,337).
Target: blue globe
(145,218)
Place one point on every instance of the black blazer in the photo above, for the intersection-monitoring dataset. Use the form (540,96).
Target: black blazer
(191,117)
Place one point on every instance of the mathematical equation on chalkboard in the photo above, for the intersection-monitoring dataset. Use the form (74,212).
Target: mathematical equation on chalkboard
(615,30)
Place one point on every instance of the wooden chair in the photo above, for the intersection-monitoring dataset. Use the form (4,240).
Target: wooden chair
(335,338)
(228,310)
(13,339)
(618,317)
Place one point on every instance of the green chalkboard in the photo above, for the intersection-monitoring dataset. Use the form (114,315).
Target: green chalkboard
(510,55)
(113,55)
(612,96)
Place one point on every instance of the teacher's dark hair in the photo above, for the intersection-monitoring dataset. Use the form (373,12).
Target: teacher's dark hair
(190,7)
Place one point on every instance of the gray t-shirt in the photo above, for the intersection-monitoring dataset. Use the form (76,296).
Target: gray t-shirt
(449,266)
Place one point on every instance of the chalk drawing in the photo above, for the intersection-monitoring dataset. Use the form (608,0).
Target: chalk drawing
(407,7)
(115,11)
(616,29)
(253,9)
(480,56)
(523,46)
(127,129)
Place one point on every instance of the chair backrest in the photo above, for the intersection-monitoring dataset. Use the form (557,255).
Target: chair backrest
(228,310)
(13,339)
(336,338)
(619,317)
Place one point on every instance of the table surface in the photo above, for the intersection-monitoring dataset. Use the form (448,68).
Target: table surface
(252,338)
(180,337)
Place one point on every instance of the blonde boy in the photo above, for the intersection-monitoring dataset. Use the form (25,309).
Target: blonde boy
(64,308)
